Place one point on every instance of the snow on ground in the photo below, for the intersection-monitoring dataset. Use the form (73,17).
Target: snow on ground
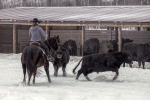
(132,83)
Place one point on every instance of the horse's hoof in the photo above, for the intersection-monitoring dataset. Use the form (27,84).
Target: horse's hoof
(24,82)
(55,75)
(89,80)
(76,78)
(49,80)
(64,75)
(114,78)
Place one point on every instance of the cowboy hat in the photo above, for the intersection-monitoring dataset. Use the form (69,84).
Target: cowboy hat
(35,20)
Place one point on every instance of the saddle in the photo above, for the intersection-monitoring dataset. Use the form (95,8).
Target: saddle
(39,46)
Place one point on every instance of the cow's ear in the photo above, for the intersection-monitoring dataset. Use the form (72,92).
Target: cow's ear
(58,37)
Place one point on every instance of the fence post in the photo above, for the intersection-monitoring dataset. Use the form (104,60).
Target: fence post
(47,32)
(83,37)
(14,38)
(119,39)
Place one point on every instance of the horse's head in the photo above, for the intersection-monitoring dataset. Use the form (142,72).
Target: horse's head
(57,38)
(53,43)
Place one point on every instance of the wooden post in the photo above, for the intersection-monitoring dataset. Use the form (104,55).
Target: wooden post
(138,28)
(108,28)
(83,37)
(111,29)
(148,28)
(116,33)
(119,39)
(47,32)
(14,38)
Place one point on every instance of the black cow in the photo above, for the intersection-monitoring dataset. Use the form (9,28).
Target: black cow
(91,46)
(111,44)
(115,43)
(61,58)
(71,46)
(102,62)
(139,52)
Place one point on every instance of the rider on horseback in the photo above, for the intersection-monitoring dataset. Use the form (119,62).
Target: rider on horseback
(35,33)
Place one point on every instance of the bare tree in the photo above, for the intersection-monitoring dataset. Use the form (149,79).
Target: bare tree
(116,2)
(1,7)
(24,3)
(78,3)
(145,2)
(93,2)
(48,3)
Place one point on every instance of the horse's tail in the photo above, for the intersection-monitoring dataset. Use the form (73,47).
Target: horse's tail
(29,64)
(77,66)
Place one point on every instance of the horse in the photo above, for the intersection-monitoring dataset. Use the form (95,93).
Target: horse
(33,57)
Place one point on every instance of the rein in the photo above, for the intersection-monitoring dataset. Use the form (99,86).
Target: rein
(52,45)
(52,49)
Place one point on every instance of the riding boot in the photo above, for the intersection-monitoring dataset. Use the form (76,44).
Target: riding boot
(49,58)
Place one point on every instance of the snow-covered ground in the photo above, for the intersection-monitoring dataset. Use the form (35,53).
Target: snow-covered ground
(132,83)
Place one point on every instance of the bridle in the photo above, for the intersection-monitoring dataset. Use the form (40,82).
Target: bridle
(52,48)
(52,45)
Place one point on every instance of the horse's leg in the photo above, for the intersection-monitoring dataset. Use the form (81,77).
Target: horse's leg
(46,67)
(63,69)
(139,62)
(24,72)
(143,63)
(117,73)
(34,77)
(123,64)
(130,65)
(29,78)
(56,71)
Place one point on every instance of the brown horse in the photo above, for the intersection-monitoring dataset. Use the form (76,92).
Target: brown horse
(32,57)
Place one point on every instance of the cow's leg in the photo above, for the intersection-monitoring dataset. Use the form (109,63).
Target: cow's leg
(63,69)
(143,63)
(117,73)
(139,62)
(123,64)
(86,74)
(56,71)
(24,72)
(79,73)
(130,65)
(46,67)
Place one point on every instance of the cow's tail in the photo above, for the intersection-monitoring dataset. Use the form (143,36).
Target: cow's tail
(77,66)
(29,64)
